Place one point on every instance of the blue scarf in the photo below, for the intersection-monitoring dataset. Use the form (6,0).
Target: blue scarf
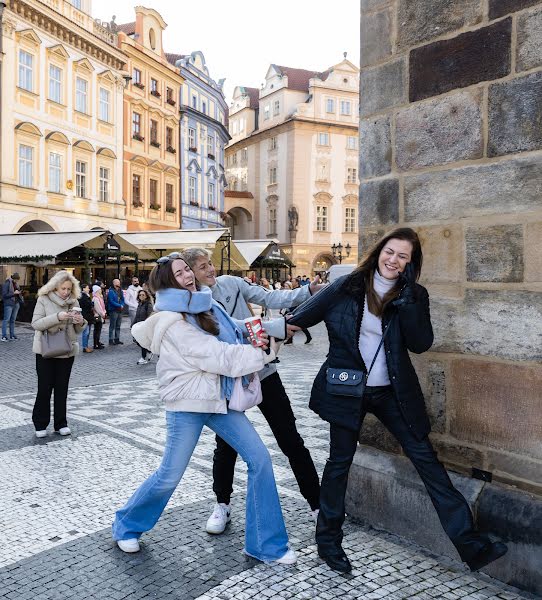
(193,303)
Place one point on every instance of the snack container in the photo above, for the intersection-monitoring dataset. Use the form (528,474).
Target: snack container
(255,330)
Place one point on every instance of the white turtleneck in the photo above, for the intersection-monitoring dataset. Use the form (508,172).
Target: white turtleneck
(371,334)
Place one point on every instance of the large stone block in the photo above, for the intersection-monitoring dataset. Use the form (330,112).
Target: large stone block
(423,20)
(469,58)
(512,467)
(440,131)
(374,147)
(458,456)
(499,8)
(368,237)
(506,187)
(505,324)
(432,378)
(379,202)
(515,115)
(533,256)
(495,253)
(498,405)
(375,37)
(383,87)
(442,253)
(529,46)
(369,5)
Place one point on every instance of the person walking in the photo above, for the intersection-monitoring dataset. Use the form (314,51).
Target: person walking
(375,316)
(100,313)
(55,311)
(85,302)
(143,312)
(131,297)
(12,299)
(200,353)
(115,306)
(234,294)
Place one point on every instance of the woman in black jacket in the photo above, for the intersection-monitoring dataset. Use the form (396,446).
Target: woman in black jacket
(381,296)
(143,312)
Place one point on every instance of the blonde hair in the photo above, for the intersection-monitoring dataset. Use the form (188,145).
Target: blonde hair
(58,279)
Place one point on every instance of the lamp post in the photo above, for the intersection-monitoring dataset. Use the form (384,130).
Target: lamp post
(337,250)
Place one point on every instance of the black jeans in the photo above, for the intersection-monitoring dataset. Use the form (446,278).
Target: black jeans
(277,410)
(97,331)
(452,508)
(53,374)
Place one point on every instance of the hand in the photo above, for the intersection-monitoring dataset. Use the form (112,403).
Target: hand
(64,316)
(275,345)
(291,329)
(78,318)
(408,281)
(16,293)
(264,338)
(316,285)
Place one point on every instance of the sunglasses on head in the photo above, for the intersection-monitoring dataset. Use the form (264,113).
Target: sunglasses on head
(165,259)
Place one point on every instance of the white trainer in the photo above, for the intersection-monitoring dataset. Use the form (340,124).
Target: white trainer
(219,519)
(41,433)
(290,558)
(129,546)
(142,361)
(65,431)
(315,514)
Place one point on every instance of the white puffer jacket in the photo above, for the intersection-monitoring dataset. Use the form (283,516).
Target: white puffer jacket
(191,362)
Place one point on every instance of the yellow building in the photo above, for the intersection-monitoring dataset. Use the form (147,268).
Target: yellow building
(61,125)
(151,126)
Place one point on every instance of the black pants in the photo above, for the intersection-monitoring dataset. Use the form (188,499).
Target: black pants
(277,411)
(97,331)
(53,374)
(452,508)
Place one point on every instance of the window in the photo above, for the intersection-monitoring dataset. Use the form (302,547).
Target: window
(272,218)
(136,190)
(81,95)
(235,127)
(169,96)
(273,175)
(105,104)
(350,220)
(154,132)
(352,175)
(153,192)
(322,172)
(194,102)
(321,218)
(55,83)
(244,154)
(204,107)
(211,144)
(346,107)
(241,124)
(323,139)
(26,165)
(276,107)
(77,4)
(136,124)
(192,195)
(191,138)
(169,137)
(266,112)
(169,195)
(330,105)
(55,172)
(136,76)
(211,194)
(104,184)
(26,70)
(234,158)
(154,87)
(81,179)
(273,143)
(352,142)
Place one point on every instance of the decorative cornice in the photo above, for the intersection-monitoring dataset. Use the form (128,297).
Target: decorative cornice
(199,116)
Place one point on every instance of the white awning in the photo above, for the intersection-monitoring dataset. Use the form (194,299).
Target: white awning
(44,243)
(174,239)
(251,249)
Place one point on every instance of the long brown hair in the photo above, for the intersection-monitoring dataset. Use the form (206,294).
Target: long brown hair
(361,279)
(162,277)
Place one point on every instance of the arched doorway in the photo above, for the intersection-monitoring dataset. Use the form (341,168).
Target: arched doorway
(322,262)
(35,226)
(241,224)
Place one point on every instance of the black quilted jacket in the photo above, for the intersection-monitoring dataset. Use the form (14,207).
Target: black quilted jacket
(410,330)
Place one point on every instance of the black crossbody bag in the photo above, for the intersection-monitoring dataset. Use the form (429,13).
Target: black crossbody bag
(351,382)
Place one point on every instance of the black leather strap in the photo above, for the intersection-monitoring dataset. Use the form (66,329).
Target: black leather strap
(380,345)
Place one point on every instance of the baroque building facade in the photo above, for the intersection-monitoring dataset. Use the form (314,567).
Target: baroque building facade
(61,119)
(203,137)
(292,163)
(151,126)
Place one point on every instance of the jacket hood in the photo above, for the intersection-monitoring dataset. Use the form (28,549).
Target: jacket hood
(149,333)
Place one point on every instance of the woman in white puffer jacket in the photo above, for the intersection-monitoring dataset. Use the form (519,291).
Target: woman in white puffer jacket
(200,353)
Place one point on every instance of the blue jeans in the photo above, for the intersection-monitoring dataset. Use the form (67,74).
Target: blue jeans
(10,314)
(115,319)
(265,533)
(85,336)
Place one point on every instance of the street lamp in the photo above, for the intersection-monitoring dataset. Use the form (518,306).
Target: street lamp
(337,250)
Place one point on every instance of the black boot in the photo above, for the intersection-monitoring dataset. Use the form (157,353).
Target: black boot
(338,562)
(490,552)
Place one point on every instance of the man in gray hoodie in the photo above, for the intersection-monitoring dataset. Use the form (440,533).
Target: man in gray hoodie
(234,294)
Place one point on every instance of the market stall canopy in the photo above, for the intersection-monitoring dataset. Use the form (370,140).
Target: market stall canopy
(263,253)
(251,249)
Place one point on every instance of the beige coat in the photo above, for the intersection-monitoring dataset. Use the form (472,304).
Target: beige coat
(45,317)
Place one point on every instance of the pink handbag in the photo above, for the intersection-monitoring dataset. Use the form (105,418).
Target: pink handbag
(243,398)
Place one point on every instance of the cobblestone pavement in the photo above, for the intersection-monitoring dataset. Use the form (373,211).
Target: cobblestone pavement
(58,496)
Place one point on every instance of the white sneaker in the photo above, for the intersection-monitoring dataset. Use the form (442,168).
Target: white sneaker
(219,519)
(142,361)
(64,431)
(290,558)
(131,545)
(41,433)
(314,514)
(150,357)
(5,339)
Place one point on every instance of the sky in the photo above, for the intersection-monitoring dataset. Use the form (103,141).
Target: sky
(241,38)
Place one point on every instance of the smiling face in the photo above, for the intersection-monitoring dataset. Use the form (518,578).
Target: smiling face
(205,271)
(64,289)
(394,257)
(183,275)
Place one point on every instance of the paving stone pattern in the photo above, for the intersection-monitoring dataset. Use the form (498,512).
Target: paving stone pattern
(58,497)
